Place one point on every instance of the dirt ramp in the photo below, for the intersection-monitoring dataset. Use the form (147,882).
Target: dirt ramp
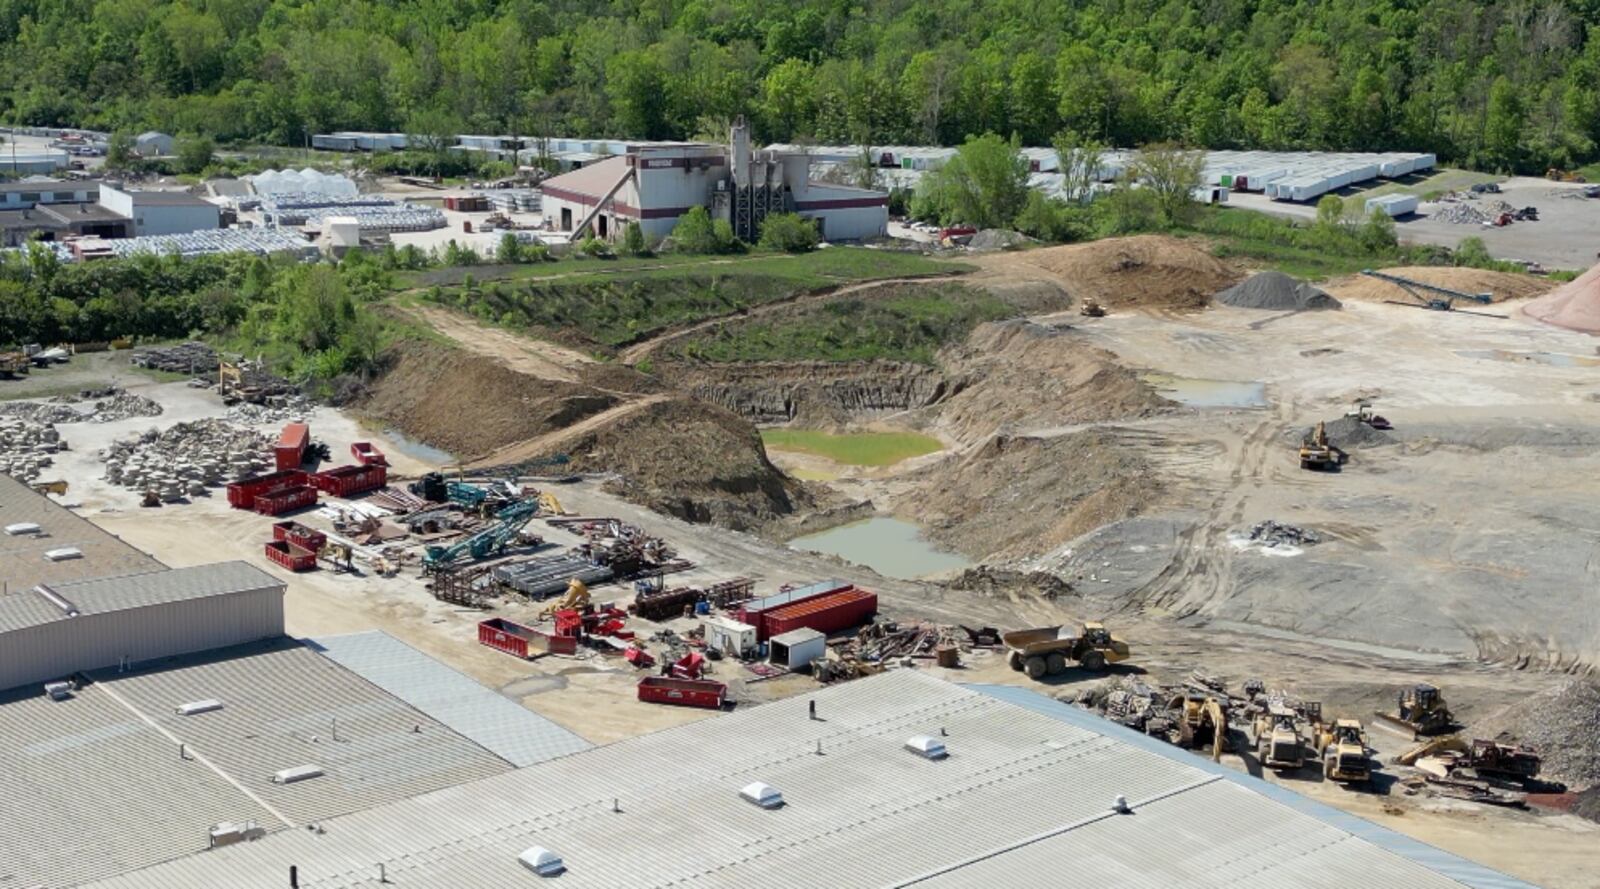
(1144,272)
(1503,285)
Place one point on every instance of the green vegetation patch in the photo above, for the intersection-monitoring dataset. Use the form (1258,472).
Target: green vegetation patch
(853,448)
(900,322)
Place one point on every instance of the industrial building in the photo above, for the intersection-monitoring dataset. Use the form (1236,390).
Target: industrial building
(161,212)
(32,162)
(59,221)
(900,779)
(153,144)
(655,184)
(29,193)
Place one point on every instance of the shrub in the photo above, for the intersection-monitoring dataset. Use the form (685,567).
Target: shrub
(789,232)
(633,240)
(697,233)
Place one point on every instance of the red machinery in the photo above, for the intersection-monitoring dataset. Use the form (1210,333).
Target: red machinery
(637,656)
(683,692)
(290,451)
(291,556)
(367,455)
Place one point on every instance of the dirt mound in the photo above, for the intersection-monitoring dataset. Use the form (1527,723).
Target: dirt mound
(1574,305)
(1275,290)
(691,460)
(1147,272)
(1019,497)
(1018,373)
(1587,805)
(468,404)
(1563,725)
(1347,433)
(1503,285)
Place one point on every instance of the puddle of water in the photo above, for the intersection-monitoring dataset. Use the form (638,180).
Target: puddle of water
(1208,393)
(1550,359)
(418,451)
(889,546)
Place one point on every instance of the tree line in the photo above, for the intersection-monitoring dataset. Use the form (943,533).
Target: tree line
(1497,85)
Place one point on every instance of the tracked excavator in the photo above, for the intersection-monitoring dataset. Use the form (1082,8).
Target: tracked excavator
(1202,723)
(1316,452)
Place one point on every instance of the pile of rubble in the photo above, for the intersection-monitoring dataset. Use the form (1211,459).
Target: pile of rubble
(41,412)
(184,358)
(118,406)
(1270,534)
(276,409)
(1460,214)
(26,447)
(123,406)
(186,458)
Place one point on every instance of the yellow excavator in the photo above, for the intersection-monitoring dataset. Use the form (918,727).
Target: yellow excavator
(576,597)
(549,505)
(1201,723)
(1316,452)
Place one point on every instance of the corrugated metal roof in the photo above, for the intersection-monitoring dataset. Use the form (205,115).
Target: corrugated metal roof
(501,725)
(31,608)
(591,181)
(22,561)
(865,812)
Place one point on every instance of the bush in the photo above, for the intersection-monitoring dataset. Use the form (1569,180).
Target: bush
(789,232)
(194,154)
(697,233)
(596,248)
(633,240)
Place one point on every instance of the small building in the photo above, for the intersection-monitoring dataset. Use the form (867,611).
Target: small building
(33,162)
(796,649)
(153,144)
(161,212)
(56,222)
(728,636)
(28,193)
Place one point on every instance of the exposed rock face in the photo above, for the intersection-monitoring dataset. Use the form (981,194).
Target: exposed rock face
(778,392)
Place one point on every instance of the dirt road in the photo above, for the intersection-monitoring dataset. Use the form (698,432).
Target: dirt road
(513,454)
(535,357)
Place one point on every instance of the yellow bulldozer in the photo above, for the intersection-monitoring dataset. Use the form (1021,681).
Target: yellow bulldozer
(1092,308)
(1343,748)
(1419,710)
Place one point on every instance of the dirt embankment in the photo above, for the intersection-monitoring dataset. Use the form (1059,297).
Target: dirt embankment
(1026,376)
(810,392)
(1151,272)
(1502,285)
(1018,497)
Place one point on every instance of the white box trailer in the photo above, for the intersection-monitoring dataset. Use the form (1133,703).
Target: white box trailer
(1394,205)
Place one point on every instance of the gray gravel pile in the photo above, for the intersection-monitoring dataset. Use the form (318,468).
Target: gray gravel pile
(1270,533)
(996,239)
(1275,290)
(1347,433)
(1460,214)
(1563,725)
(1587,804)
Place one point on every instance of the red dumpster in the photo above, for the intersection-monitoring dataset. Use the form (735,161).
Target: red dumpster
(290,451)
(367,455)
(683,692)
(242,493)
(344,481)
(751,611)
(281,500)
(520,641)
(825,614)
(291,556)
(299,535)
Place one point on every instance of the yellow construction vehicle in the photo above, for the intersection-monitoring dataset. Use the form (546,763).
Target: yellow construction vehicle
(339,555)
(1091,308)
(58,487)
(1279,742)
(576,596)
(1343,748)
(230,385)
(13,363)
(1556,174)
(1202,723)
(1045,651)
(549,505)
(1315,450)
(1420,710)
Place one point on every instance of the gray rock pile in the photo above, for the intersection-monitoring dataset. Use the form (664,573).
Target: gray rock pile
(41,412)
(26,447)
(1460,214)
(187,458)
(997,239)
(1275,290)
(1270,533)
(123,406)
(1563,725)
(185,358)
(279,409)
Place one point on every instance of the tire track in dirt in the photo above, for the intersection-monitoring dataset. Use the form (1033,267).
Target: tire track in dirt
(518,452)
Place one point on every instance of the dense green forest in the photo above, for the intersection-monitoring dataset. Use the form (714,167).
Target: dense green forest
(1487,84)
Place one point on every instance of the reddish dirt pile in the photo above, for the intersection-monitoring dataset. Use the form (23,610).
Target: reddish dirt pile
(1574,305)
(1144,272)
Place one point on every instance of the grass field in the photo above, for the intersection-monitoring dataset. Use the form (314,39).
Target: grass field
(853,448)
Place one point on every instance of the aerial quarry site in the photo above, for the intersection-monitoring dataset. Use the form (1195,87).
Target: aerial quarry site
(1170,567)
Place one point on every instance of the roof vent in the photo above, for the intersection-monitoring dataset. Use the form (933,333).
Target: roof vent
(58,691)
(21,528)
(1120,805)
(63,554)
(298,773)
(541,861)
(764,795)
(926,747)
(195,708)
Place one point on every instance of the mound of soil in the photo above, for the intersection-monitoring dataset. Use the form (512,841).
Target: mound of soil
(1020,374)
(1275,290)
(1148,271)
(468,404)
(1019,497)
(1503,285)
(691,460)
(1563,725)
(1574,305)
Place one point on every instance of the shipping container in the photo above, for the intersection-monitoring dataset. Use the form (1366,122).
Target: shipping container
(291,448)
(290,556)
(751,611)
(281,500)
(299,535)
(683,692)
(367,455)
(345,481)
(825,614)
(1394,205)
(242,493)
(523,642)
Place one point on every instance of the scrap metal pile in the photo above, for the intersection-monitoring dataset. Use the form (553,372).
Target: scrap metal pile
(1271,534)
(186,458)
(626,549)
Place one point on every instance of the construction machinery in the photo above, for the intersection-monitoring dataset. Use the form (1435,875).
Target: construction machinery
(1420,710)
(1484,758)
(1045,651)
(1343,748)
(340,555)
(1316,452)
(13,363)
(57,487)
(231,385)
(1279,742)
(1201,723)
(1092,308)
(1361,412)
(492,540)
(1431,296)
(574,599)
(1556,174)
(549,505)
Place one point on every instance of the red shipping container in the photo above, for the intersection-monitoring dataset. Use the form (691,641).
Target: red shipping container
(520,641)
(825,614)
(299,535)
(242,493)
(751,611)
(291,448)
(343,481)
(683,692)
(281,500)
(367,455)
(290,556)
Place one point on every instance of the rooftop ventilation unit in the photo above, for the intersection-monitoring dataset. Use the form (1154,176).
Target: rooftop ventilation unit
(926,747)
(195,708)
(63,554)
(764,795)
(541,861)
(298,773)
(58,691)
(21,528)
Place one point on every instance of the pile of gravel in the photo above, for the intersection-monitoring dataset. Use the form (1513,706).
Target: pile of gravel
(1563,725)
(996,239)
(1587,805)
(1349,432)
(1275,290)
